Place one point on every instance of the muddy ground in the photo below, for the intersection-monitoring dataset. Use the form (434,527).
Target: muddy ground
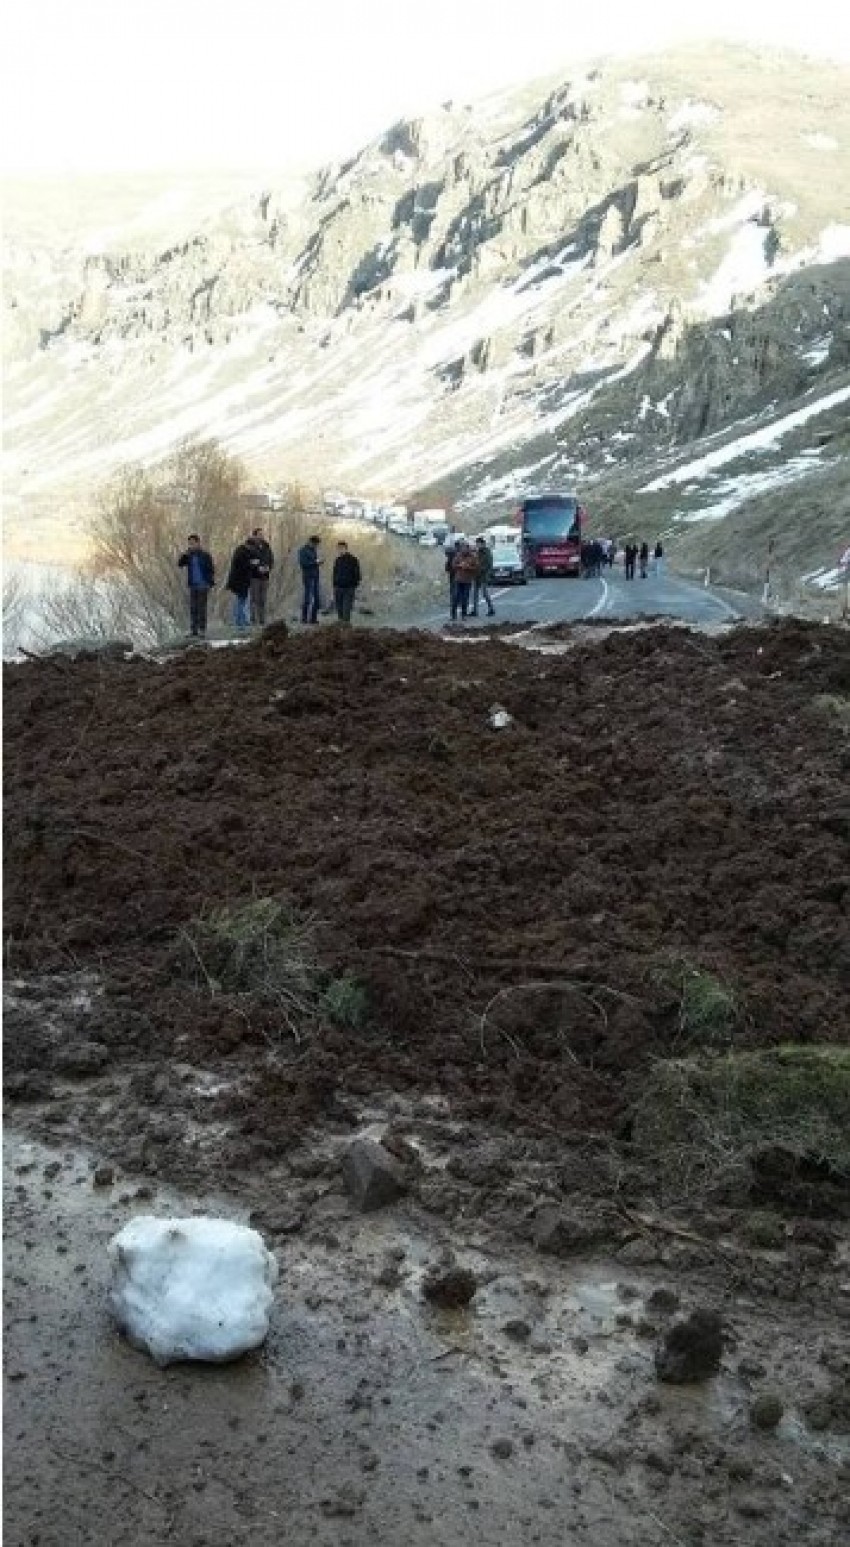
(510,911)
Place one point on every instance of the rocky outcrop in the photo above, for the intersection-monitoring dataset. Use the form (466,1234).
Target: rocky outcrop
(524,281)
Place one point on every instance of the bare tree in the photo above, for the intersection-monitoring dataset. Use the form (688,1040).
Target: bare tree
(85,608)
(145,515)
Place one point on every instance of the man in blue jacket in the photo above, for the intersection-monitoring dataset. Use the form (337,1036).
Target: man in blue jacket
(200,574)
(308,563)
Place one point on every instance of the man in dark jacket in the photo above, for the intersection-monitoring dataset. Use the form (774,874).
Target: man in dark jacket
(346,579)
(481,583)
(308,563)
(239,582)
(200,574)
(262,565)
(630,554)
(644,560)
(464,569)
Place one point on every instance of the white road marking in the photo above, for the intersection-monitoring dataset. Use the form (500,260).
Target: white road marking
(602,603)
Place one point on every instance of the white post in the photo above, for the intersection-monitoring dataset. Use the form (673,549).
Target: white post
(845,564)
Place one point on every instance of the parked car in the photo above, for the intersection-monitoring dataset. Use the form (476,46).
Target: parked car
(508,566)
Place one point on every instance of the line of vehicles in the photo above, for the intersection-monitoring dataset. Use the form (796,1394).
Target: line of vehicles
(543,538)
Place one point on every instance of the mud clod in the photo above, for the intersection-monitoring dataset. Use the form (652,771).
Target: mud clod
(448,1284)
(691,1349)
(766,1410)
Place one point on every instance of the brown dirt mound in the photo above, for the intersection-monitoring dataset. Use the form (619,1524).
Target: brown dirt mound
(514,901)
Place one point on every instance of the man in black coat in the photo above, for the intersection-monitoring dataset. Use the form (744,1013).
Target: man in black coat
(239,581)
(262,565)
(346,579)
(200,575)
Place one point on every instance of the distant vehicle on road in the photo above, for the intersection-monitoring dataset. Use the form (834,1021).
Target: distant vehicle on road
(428,520)
(503,534)
(551,527)
(508,564)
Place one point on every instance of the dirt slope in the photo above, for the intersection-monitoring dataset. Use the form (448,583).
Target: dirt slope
(516,903)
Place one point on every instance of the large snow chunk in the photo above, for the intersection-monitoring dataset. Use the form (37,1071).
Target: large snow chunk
(196,1288)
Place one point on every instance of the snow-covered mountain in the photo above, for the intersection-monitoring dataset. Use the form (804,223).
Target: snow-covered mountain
(596,280)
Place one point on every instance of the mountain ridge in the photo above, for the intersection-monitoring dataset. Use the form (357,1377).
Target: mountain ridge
(567,279)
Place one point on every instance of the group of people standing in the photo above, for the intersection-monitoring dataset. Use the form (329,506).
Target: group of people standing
(632,555)
(595,554)
(470,571)
(251,564)
(346,579)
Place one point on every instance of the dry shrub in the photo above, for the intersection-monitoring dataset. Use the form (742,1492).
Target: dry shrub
(265,952)
(701,1119)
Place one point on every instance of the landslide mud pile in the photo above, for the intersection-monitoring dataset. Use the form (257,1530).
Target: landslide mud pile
(510,917)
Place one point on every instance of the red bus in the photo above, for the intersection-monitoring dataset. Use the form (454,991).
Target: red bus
(551,533)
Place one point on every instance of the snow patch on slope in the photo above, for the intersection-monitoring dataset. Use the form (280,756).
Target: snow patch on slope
(733,492)
(760,440)
(692,114)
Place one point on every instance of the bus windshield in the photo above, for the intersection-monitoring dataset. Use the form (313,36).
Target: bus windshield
(551,518)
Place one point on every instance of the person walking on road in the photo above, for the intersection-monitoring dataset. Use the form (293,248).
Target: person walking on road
(239,582)
(200,576)
(464,571)
(262,565)
(630,555)
(483,577)
(644,560)
(346,579)
(658,560)
(309,565)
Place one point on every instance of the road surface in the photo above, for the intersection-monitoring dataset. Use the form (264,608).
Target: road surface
(572,600)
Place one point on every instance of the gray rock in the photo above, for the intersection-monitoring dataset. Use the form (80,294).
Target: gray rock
(104,1174)
(639,1253)
(371,1176)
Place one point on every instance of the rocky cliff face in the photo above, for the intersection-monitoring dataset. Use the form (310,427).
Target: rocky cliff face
(543,285)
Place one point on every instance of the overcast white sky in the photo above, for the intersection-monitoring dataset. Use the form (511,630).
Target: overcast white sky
(136,85)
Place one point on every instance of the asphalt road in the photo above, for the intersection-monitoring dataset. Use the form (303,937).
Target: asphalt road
(572,600)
